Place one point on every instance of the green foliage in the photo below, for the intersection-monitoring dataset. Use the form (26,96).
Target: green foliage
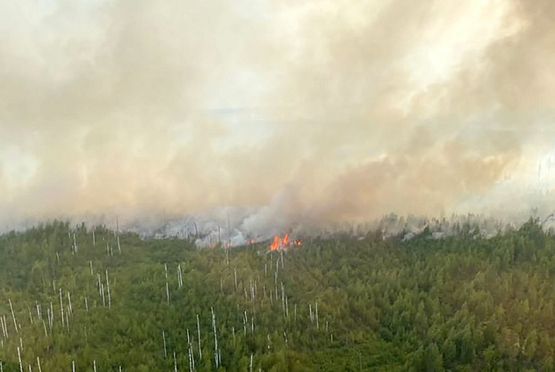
(460,303)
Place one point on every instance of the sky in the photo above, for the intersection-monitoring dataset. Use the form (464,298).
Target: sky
(316,112)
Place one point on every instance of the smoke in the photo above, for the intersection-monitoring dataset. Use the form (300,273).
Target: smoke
(278,115)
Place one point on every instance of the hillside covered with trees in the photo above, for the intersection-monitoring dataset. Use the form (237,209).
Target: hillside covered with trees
(93,299)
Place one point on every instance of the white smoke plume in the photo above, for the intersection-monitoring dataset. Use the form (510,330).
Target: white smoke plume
(253,118)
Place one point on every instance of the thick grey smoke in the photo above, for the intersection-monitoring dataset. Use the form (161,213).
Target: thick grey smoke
(284,115)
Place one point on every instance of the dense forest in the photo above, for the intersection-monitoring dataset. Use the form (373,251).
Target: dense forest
(83,299)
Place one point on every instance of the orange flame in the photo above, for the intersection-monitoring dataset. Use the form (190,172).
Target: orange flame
(284,243)
(276,244)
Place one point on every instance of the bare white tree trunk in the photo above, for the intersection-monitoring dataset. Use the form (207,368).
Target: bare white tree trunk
(103,294)
(190,352)
(51,316)
(19,358)
(30,315)
(69,303)
(165,349)
(179,276)
(199,342)
(216,356)
(39,314)
(99,285)
(67,319)
(235,275)
(75,249)
(109,293)
(4,327)
(61,307)
(245,320)
(13,316)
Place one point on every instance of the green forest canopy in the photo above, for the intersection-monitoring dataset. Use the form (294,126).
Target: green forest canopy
(461,303)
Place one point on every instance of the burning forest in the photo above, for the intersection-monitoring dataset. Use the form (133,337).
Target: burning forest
(277,185)
(284,243)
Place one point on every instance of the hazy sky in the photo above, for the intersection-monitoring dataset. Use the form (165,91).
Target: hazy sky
(316,110)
